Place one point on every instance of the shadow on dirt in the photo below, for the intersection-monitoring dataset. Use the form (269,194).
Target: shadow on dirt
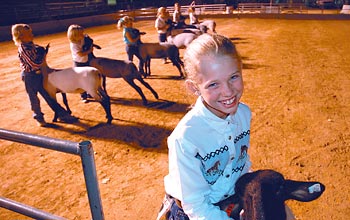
(132,133)
(160,104)
(164,77)
(238,40)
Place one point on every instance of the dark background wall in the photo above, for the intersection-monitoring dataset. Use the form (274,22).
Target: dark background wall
(30,11)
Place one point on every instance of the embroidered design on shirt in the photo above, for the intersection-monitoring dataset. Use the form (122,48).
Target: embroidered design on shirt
(241,136)
(212,154)
(241,142)
(214,168)
(238,169)
(243,153)
(214,163)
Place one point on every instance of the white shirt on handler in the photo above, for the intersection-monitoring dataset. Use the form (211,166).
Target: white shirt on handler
(160,25)
(207,155)
(193,18)
(75,48)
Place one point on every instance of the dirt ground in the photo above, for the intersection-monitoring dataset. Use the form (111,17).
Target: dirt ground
(297,83)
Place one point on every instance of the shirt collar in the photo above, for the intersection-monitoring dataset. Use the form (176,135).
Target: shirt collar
(211,119)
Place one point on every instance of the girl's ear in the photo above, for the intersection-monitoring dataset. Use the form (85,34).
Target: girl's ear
(192,87)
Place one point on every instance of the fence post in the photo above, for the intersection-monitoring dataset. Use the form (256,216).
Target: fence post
(83,149)
(89,169)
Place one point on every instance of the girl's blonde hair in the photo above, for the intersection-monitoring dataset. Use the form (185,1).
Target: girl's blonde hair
(122,21)
(161,10)
(204,45)
(74,33)
(17,30)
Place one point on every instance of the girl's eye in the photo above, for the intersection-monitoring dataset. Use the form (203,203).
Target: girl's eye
(211,85)
(235,76)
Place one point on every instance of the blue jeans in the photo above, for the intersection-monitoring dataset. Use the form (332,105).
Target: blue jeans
(34,84)
(132,50)
(177,213)
(170,210)
(162,37)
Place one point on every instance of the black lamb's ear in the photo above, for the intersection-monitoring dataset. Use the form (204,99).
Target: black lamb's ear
(47,48)
(97,46)
(303,191)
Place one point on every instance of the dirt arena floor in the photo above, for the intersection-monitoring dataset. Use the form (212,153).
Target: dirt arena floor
(297,83)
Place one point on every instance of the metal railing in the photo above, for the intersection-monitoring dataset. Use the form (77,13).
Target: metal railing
(271,8)
(209,9)
(83,149)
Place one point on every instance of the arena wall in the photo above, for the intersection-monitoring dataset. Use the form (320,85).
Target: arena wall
(55,26)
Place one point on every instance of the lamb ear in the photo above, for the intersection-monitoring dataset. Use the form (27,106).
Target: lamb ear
(303,191)
(97,46)
(47,48)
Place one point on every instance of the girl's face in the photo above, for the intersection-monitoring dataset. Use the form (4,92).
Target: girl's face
(220,83)
(80,35)
(163,14)
(128,23)
(26,36)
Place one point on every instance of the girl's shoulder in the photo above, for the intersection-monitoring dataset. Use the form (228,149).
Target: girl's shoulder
(27,44)
(244,109)
(76,46)
(30,46)
(77,42)
(127,30)
(131,29)
(244,106)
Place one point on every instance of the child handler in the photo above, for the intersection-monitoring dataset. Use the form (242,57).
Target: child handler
(80,55)
(30,63)
(208,148)
(161,24)
(131,37)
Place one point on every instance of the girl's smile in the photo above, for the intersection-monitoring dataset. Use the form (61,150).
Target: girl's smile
(229,102)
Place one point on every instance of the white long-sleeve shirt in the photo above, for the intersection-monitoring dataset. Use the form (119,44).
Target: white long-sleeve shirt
(75,48)
(193,18)
(160,25)
(207,155)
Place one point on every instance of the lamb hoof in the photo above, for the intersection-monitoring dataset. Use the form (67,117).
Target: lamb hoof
(109,121)
(156,96)
(68,119)
(143,74)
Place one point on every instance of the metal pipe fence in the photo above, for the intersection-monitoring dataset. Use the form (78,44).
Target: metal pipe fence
(83,149)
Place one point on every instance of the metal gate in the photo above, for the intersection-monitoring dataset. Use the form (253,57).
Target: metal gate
(83,149)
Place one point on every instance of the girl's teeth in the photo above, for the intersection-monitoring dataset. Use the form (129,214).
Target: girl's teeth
(228,102)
